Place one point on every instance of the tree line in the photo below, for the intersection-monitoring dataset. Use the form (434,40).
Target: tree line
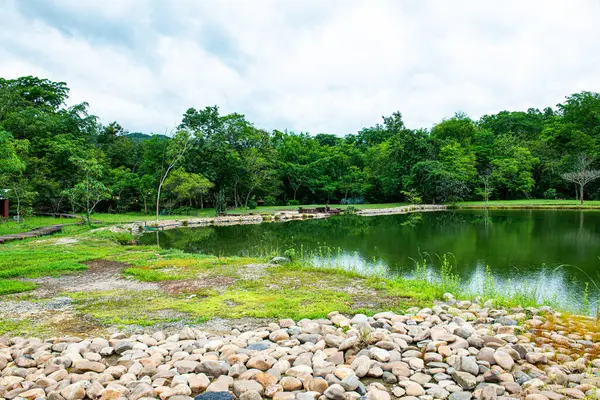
(56,158)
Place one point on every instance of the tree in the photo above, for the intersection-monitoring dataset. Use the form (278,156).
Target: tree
(89,191)
(178,145)
(486,179)
(187,186)
(582,174)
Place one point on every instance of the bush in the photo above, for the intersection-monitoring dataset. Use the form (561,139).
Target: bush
(252,204)
(550,194)
(184,210)
(353,200)
(350,210)
(293,203)
(269,201)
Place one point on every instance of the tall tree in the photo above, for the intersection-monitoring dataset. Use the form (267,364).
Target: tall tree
(582,174)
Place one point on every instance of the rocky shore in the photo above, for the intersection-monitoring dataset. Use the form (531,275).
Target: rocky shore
(402,210)
(456,350)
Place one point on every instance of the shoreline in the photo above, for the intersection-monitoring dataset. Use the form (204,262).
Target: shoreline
(455,350)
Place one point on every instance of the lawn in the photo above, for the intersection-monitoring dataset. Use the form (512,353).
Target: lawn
(8,226)
(542,203)
(188,288)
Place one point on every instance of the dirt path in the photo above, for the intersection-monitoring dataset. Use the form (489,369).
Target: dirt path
(100,275)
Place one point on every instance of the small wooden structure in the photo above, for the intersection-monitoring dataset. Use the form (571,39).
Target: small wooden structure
(3,208)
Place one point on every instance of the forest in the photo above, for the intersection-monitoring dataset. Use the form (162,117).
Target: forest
(58,158)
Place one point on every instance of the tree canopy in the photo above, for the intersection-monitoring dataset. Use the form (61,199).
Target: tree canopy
(45,146)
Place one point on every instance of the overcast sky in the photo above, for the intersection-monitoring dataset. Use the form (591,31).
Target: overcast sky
(315,66)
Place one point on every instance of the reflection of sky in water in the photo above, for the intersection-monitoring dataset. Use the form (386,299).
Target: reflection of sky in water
(546,285)
(515,244)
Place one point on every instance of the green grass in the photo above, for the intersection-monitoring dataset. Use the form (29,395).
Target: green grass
(8,286)
(8,226)
(543,203)
(224,287)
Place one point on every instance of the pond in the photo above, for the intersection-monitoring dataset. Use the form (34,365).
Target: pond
(551,252)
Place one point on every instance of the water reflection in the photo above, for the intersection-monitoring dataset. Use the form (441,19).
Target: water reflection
(523,248)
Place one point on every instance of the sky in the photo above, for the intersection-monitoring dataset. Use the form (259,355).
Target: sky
(323,66)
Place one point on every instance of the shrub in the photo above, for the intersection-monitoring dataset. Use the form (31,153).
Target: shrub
(550,194)
(269,201)
(252,204)
(184,210)
(350,210)
(353,200)
(293,203)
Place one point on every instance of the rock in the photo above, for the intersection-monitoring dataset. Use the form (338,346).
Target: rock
(504,360)
(317,385)
(123,346)
(460,396)
(361,366)
(250,395)
(413,389)
(75,391)
(33,394)
(378,394)
(464,379)
(535,396)
(488,393)
(290,383)
(81,366)
(279,260)
(142,390)
(468,364)
(380,354)
(335,392)
(214,396)
(240,387)
(536,358)
(350,382)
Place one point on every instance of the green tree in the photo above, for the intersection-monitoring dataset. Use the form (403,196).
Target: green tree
(89,190)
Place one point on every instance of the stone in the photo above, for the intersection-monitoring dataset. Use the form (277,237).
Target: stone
(378,394)
(413,389)
(240,387)
(75,391)
(536,358)
(290,383)
(142,390)
(335,392)
(460,396)
(504,360)
(81,366)
(317,384)
(214,396)
(468,364)
(250,395)
(464,379)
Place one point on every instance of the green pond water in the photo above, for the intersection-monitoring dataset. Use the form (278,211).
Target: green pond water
(551,252)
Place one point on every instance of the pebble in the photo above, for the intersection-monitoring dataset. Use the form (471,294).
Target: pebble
(455,351)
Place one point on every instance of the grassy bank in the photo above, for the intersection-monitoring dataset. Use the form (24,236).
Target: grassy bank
(531,203)
(111,284)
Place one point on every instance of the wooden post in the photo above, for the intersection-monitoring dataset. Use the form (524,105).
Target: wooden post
(4,208)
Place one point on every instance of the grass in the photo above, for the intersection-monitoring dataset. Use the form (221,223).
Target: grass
(529,203)
(194,288)
(8,286)
(8,226)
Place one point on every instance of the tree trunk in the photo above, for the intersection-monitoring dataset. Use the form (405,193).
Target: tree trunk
(145,206)
(201,202)
(581,195)
(295,190)
(158,199)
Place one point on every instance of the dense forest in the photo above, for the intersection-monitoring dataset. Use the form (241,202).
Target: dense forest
(56,158)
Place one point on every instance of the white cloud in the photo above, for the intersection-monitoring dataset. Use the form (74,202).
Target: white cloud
(305,65)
